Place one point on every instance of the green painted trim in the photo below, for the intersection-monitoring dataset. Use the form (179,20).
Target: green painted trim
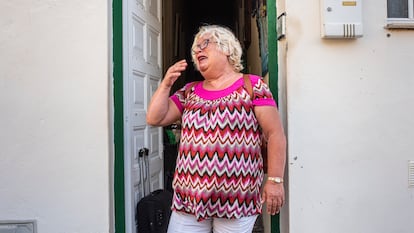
(119,188)
(272,49)
(273,76)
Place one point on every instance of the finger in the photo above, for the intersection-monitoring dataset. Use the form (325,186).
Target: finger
(275,210)
(177,69)
(181,64)
(269,204)
(278,207)
(264,196)
(272,208)
(181,61)
(275,205)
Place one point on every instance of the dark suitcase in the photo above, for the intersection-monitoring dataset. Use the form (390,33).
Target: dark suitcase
(153,211)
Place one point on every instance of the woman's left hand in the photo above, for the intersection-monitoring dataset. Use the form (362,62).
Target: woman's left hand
(274,197)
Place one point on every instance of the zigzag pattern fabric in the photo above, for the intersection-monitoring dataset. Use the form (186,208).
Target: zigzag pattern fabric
(219,169)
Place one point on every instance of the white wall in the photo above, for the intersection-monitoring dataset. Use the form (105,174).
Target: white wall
(54,129)
(350,124)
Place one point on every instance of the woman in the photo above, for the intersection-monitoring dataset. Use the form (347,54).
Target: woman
(219,170)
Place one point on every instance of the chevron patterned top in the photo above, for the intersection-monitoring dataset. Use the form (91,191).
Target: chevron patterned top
(219,169)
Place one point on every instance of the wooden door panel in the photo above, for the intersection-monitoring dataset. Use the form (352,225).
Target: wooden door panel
(142,75)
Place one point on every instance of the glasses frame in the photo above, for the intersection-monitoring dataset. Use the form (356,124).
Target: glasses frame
(203,45)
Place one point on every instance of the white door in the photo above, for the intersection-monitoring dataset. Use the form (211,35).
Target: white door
(142,73)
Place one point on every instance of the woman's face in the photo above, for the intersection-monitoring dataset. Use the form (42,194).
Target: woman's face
(208,56)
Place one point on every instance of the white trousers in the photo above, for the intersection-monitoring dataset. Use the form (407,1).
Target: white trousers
(187,223)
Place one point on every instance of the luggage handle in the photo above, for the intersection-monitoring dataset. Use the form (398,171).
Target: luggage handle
(143,154)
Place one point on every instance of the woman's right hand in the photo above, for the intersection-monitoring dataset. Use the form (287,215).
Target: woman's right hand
(161,110)
(173,73)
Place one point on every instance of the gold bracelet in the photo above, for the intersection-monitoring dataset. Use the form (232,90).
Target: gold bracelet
(277,180)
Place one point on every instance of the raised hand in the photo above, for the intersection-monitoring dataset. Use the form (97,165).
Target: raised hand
(174,72)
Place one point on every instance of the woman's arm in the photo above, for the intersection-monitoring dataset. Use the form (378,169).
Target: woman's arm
(162,110)
(269,120)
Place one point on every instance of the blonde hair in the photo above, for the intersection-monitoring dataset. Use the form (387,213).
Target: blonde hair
(226,42)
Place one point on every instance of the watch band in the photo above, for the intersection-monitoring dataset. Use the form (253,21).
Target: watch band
(277,180)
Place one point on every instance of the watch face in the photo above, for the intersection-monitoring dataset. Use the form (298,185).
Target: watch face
(276,179)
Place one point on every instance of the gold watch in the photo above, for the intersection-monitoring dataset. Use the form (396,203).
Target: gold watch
(277,180)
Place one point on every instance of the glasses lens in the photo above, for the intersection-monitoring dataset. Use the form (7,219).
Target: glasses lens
(201,46)
(204,44)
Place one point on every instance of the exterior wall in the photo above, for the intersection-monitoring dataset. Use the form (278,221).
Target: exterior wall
(350,124)
(54,126)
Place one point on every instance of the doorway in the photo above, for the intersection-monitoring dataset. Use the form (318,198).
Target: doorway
(180,21)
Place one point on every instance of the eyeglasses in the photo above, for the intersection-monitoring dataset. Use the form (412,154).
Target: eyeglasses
(203,45)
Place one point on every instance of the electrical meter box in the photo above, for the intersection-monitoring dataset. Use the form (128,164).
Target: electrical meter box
(341,19)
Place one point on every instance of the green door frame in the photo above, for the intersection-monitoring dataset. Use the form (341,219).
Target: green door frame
(119,200)
(273,75)
(272,49)
(119,187)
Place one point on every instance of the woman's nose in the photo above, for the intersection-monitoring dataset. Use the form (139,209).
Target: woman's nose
(196,50)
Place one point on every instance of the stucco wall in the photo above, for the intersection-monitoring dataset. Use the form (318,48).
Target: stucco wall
(350,124)
(54,114)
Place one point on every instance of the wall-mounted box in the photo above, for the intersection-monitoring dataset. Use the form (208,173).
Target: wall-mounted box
(341,19)
(17,226)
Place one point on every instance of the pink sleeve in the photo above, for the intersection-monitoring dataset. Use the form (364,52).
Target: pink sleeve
(262,95)
(179,97)
(177,102)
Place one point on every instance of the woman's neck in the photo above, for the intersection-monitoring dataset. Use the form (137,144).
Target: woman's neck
(221,81)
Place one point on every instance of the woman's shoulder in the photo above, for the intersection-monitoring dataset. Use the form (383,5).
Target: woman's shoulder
(254,79)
